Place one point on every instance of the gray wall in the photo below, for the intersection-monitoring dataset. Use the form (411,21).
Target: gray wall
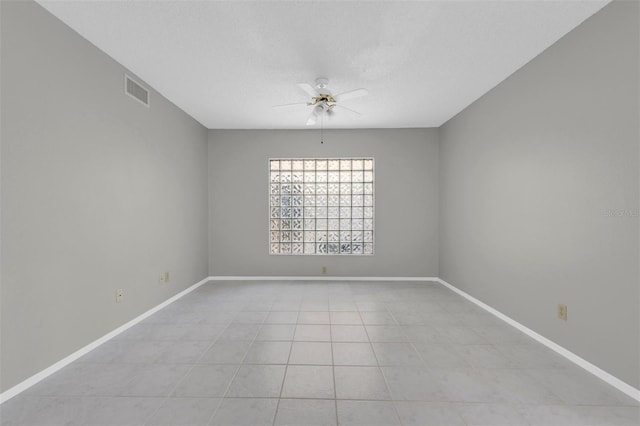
(539,193)
(406,198)
(98,193)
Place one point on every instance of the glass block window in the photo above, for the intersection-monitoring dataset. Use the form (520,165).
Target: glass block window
(321,206)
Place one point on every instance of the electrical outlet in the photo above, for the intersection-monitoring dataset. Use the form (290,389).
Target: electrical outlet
(161,278)
(562,312)
(119,295)
(324,269)
(166,277)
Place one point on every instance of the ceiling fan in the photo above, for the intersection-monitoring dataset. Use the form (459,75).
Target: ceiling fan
(322,101)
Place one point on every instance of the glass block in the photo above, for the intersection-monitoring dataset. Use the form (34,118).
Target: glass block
(285,189)
(297,248)
(321,236)
(286,224)
(357,212)
(285,236)
(275,212)
(345,248)
(357,188)
(345,212)
(285,200)
(368,212)
(333,224)
(310,212)
(297,236)
(345,223)
(321,223)
(274,164)
(321,211)
(357,200)
(368,164)
(334,188)
(309,236)
(357,176)
(309,189)
(368,236)
(333,236)
(334,248)
(333,212)
(309,176)
(275,189)
(345,176)
(345,188)
(296,212)
(285,164)
(285,248)
(274,200)
(357,248)
(357,224)
(274,224)
(309,165)
(309,201)
(321,176)
(297,224)
(333,200)
(357,236)
(333,176)
(297,165)
(368,248)
(275,236)
(334,164)
(309,248)
(275,248)
(321,248)
(368,224)
(321,164)
(321,200)
(357,164)
(345,200)
(345,236)
(368,200)
(368,176)
(368,188)
(297,177)
(321,189)
(285,212)
(275,177)
(285,177)
(345,164)
(296,188)
(296,200)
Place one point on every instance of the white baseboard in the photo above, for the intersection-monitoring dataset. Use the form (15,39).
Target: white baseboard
(596,371)
(318,278)
(26,384)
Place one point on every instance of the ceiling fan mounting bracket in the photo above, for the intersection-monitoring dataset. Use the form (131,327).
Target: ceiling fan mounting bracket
(322,83)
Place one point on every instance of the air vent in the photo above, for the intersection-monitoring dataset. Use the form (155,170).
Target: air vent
(136,90)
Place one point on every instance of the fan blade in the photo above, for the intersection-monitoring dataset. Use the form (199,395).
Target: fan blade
(348,109)
(296,105)
(308,89)
(352,94)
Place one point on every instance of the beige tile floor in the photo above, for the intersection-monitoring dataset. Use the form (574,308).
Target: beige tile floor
(310,353)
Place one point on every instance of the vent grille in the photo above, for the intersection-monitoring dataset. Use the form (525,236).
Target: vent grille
(136,90)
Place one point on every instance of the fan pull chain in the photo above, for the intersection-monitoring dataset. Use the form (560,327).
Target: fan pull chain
(322,128)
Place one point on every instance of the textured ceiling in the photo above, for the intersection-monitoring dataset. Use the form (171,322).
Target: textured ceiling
(226,63)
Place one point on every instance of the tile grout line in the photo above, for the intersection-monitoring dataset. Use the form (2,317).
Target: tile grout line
(384,378)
